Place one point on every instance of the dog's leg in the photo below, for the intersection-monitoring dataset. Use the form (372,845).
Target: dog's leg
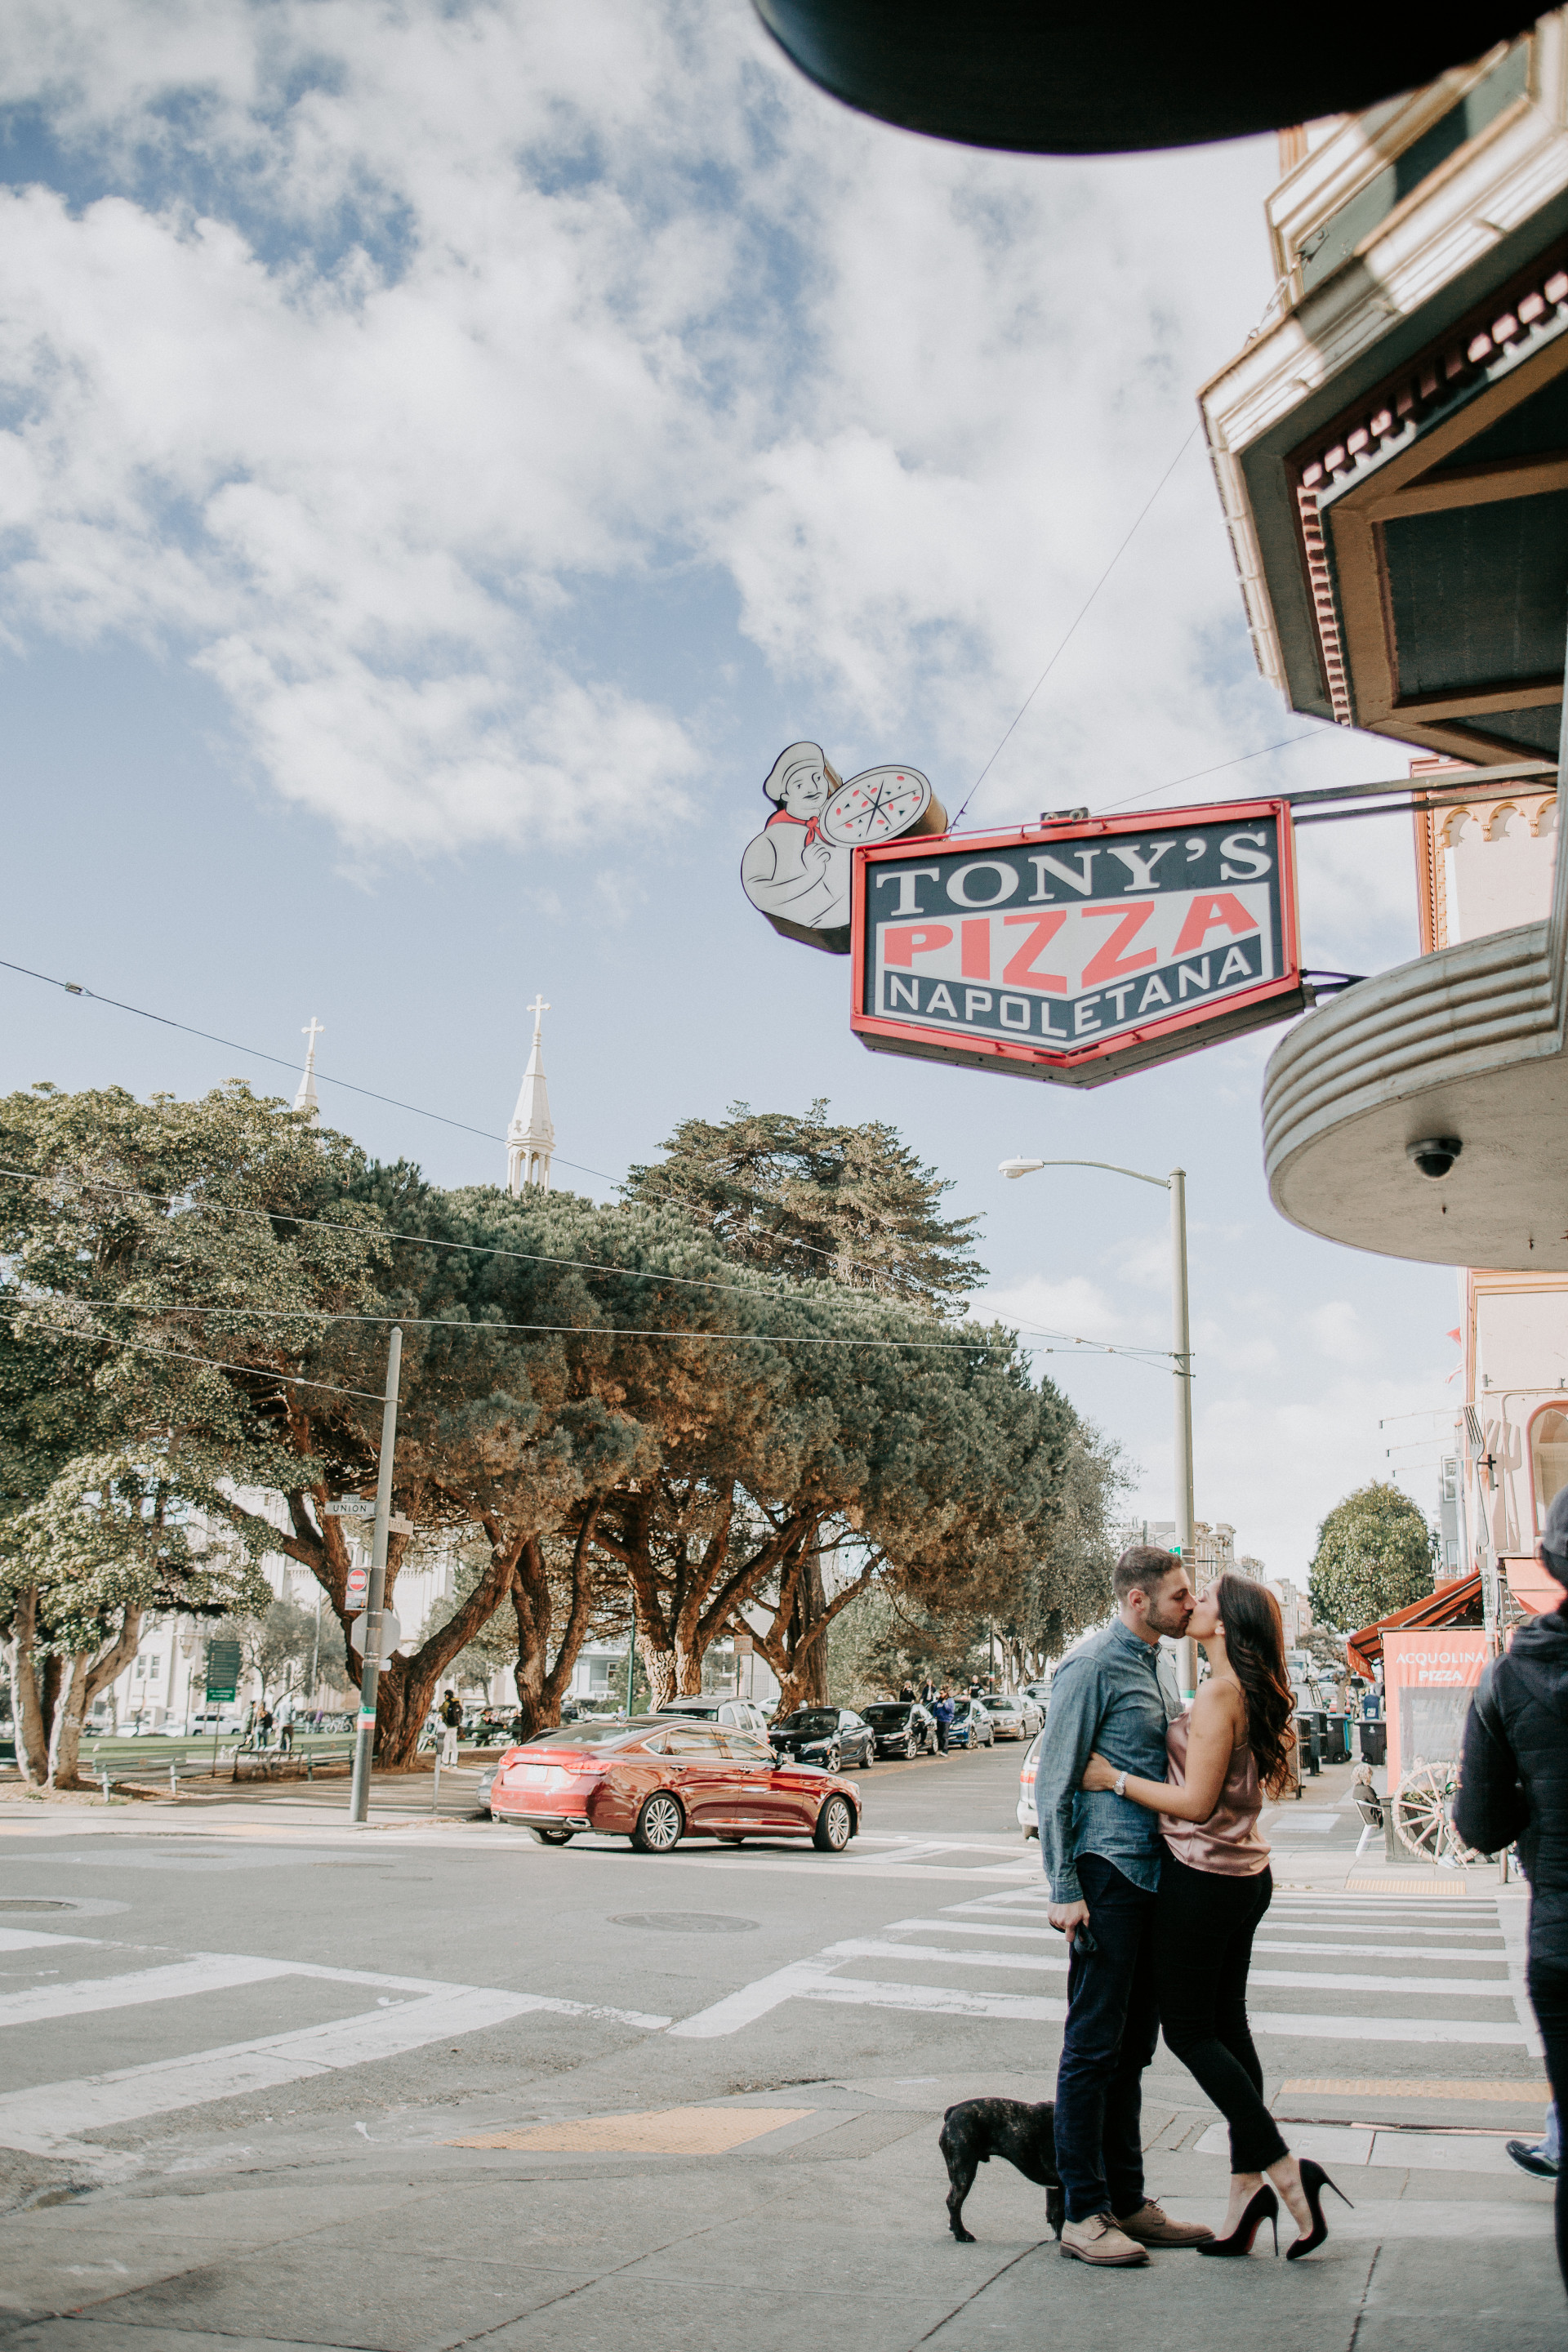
(1056,2208)
(960,2174)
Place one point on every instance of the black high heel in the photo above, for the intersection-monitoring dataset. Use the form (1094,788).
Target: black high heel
(1262,2206)
(1314,2180)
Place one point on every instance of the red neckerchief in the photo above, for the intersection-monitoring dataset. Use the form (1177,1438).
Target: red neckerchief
(783,817)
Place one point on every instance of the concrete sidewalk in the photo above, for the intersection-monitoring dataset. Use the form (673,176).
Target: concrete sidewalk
(787,2217)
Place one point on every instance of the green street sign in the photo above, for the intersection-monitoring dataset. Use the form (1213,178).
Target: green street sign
(223,1670)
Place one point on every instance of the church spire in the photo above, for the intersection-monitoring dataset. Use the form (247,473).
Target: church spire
(307,1101)
(530,1138)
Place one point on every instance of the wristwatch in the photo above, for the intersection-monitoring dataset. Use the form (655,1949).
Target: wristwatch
(1119,1786)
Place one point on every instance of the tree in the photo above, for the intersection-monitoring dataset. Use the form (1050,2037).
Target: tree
(107,1544)
(1376,1553)
(809,1200)
(121,1449)
(1068,1588)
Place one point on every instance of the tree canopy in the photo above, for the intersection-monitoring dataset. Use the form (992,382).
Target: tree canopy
(1376,1552)
(811,1199)
(687,1423)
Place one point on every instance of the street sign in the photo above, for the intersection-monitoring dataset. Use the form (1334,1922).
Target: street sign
(391,1634)
(1075,950)
(223,1670)
(350,1506)
(397,1524)
(356,1584)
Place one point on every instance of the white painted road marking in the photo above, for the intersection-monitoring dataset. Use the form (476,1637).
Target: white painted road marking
(209,1972)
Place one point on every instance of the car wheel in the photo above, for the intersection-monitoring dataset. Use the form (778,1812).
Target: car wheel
(836,1758)
(911,1750)
(834,1826)
(553,1837)
(659,1825)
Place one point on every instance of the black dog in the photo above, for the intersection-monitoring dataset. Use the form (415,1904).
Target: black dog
(977,2129)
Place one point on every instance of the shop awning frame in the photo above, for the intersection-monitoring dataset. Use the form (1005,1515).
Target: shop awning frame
(1446,1606)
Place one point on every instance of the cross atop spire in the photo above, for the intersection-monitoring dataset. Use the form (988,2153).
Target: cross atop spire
(305,1100)
(530,1138)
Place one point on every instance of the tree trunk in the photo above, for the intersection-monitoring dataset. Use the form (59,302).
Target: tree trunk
(809,1650)
(88,1677)
(403,1699)
(36,1684)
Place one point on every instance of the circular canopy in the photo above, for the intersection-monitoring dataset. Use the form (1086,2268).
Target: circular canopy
(1080,81)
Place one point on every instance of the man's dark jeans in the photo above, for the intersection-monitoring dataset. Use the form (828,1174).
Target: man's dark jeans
(1548,1982)
(1112,2025)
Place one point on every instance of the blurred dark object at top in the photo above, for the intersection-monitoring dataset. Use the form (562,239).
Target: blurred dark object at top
(1081,82)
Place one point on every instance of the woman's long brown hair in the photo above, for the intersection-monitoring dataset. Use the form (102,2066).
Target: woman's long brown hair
(1254,1645)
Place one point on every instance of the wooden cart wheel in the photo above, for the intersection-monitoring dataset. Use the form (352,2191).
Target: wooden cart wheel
(1421,1821)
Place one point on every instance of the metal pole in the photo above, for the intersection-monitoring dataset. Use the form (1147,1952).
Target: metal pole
(1181,1343)
(359,1800)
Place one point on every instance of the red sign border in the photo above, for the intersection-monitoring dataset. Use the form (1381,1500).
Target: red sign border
(1128,1048)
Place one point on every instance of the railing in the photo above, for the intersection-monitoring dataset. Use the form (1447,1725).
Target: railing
(202,1764)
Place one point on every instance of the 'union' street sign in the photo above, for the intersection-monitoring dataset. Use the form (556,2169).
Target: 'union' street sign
(1076,951)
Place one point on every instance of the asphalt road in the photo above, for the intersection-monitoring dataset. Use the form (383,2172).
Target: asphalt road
(269,2079)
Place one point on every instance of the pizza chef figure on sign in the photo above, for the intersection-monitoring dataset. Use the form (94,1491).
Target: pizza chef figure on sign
(797,871)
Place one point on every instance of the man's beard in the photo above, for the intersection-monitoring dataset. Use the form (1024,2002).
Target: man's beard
(1172,1619)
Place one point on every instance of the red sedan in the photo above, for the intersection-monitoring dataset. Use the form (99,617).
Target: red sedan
(656,1781)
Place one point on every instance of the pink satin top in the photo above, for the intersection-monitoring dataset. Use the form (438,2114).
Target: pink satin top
(1227,1843)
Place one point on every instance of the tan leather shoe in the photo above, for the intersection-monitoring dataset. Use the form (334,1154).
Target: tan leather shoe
(1151,2226)
(1099,2240)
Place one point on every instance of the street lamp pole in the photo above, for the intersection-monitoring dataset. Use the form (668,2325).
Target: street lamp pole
(364,1737)
(1175,1184)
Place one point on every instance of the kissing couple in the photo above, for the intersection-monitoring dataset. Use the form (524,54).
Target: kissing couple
(1159,1879)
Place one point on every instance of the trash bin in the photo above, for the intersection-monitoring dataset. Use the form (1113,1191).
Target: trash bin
(1337,1744)
(1310,1741)
(1373,1734)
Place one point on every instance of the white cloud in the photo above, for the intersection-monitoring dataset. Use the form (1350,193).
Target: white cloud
(1336,1332)
(401,335)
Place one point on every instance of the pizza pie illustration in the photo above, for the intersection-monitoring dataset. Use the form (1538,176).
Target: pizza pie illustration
(796,870)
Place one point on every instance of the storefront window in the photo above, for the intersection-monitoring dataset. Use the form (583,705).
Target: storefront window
(1548,1457)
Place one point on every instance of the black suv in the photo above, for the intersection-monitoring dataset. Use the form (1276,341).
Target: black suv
(902,1727)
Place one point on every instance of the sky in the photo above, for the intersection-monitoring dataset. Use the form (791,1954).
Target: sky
(447,450)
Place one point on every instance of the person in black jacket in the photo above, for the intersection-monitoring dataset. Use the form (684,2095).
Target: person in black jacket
(1514,1787)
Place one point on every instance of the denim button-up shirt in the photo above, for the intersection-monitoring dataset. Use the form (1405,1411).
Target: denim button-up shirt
(1116,1695)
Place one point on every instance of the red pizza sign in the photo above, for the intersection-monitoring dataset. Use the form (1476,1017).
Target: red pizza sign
(1076,951)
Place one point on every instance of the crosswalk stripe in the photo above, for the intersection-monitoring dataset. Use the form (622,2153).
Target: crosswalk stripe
(211,1972)
(936,2000)
(30,1940)
(1389,2028)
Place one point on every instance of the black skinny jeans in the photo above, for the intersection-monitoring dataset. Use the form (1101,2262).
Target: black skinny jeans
(1548,1982)
(1203,1927)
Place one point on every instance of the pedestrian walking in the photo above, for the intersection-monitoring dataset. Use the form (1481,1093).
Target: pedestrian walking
(451,1724)
(285,1726)
(1513,1788)
(1101,1857)
(1541,2157)
(1231,1747)
(943,1711)
(266,1728)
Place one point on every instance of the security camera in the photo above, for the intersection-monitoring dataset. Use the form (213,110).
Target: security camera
(1435,1154)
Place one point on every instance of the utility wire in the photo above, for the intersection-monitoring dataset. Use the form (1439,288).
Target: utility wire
(34,1330)
(1078,616)
(480,1330)
(484,1249)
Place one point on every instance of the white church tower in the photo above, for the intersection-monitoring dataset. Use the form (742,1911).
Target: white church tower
(307,1100)
(530,1138)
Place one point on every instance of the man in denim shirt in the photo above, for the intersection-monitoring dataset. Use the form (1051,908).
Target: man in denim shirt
(1101,1855)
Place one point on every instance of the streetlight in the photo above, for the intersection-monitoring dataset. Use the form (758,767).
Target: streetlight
(1175,1184)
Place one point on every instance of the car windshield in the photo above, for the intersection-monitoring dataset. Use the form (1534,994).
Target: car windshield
(1003,1705)
(810,1718)
(596,1735)
(890,1714)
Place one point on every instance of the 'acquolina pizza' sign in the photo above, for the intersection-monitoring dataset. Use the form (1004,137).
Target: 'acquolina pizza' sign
(1074,951)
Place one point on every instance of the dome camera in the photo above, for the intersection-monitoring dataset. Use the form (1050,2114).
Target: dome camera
(1435,1154)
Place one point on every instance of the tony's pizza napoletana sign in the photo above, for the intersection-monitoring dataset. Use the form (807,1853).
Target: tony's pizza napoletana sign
(1074,951)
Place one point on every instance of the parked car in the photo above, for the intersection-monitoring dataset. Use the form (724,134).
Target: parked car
(656,1781)
(833,1736)
(1040,1693)
(711,1708)
(971,1726)
(1028,1820)
(1014,1719)
(901,1727)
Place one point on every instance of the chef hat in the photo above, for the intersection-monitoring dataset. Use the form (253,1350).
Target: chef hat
(799,755)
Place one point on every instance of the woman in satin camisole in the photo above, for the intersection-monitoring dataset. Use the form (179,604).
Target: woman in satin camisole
(1231,1748)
